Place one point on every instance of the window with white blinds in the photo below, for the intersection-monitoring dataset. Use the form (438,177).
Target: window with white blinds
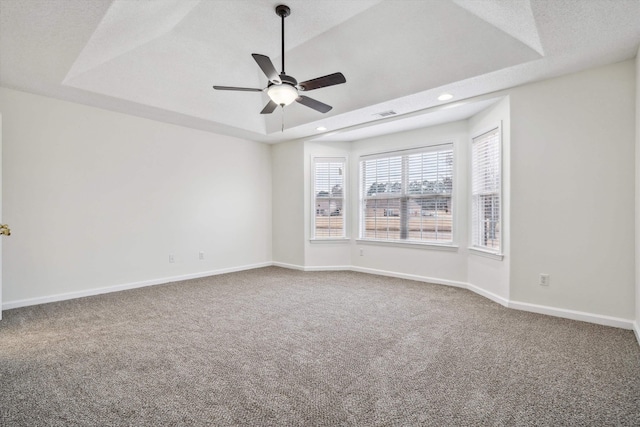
(407,196)
(329,198)
(486,184)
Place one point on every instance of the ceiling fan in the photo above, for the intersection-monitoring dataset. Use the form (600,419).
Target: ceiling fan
(284,89)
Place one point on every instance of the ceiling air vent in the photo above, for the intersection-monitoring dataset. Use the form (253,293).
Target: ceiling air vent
(386,113)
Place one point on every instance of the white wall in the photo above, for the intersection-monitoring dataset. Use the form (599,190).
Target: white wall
(1,221)
(288,203)
(637,204)
(439,265)
(98,199)
(490,274)
(569,145)
(572,191)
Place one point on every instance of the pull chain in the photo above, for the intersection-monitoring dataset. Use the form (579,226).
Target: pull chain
(282,116)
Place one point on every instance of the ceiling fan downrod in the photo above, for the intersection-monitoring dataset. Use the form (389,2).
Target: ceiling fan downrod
(283,11)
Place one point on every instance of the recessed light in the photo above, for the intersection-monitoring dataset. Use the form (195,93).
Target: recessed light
(321,128)
(445,97)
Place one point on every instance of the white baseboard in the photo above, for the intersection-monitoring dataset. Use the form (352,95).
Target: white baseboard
(573,315)
(289,266)
(517,305)
(372,271)
(409,276)
(312,267)
(535,308)
(331,268)
(489,295)
(540,309)
(122,287)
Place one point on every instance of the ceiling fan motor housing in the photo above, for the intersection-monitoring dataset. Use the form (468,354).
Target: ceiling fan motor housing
(287,80)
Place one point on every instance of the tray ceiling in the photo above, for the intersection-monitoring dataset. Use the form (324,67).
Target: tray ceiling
(159,59)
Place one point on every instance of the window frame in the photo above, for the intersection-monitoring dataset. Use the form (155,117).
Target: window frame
(345,204)
(473,247)
(448,144)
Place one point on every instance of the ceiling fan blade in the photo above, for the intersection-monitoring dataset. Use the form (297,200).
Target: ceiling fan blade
(244,89)
(312,103)
(269,108)
(267,67)
(330,80)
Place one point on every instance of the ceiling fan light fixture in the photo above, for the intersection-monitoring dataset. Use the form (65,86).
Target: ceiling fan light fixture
(283,94)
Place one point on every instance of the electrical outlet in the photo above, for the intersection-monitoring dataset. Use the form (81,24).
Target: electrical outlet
(201,255)
(544,280)
(361,252)
(171,258)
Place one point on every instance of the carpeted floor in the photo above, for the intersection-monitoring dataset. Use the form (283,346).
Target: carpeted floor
(281,347)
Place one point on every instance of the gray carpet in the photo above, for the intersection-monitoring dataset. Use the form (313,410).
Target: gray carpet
(280,347)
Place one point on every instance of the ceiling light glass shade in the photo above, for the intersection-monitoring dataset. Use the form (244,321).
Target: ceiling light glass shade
(282,94)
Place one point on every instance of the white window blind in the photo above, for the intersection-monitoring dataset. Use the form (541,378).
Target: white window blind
(329,206)
(486,182)
(407,196)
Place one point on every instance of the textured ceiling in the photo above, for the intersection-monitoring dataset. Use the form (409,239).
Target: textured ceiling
(159,58)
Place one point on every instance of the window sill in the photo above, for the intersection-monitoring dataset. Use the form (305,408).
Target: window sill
(339,240)
(415,245)
(487,254)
